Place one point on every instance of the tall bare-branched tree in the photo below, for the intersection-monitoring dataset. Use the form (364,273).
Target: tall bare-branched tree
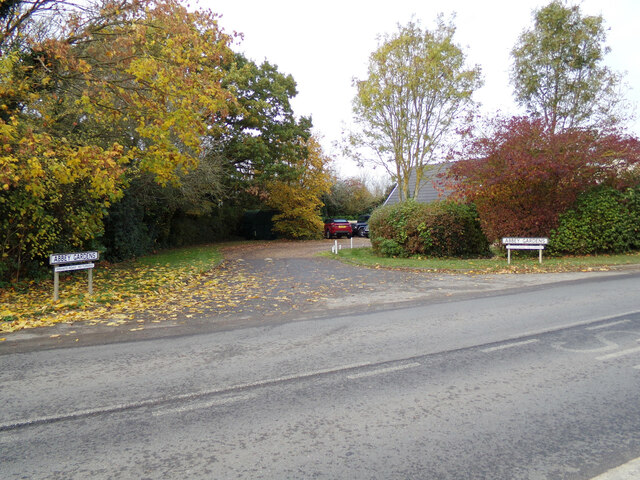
(559,74)
(417,93)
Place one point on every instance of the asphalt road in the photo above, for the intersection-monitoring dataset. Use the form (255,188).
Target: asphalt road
(528,383)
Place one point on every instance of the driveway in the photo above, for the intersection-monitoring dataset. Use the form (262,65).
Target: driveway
(263,283)
(296,267)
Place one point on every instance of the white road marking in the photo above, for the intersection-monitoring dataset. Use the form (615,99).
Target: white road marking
(581,323)
(184,397)
(607,325)
(628,471)
(200,405)
(621,353)
(510,345)
(298,376)
(608,344)
(381,371)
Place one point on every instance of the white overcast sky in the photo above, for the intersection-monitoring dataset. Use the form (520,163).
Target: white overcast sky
(324,45)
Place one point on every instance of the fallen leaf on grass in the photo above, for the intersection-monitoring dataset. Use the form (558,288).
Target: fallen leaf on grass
(122,294)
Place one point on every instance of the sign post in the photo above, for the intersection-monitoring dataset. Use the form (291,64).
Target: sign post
(519,243)
(65,262)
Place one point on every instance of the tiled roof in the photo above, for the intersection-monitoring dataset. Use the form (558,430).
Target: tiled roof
(428,191)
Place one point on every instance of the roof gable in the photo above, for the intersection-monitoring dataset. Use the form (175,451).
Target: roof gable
(428,192)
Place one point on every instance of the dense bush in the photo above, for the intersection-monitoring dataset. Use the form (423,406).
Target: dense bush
(218,225)
(522,176)
(147,218)
(126,234)
(441,229)
(603,220)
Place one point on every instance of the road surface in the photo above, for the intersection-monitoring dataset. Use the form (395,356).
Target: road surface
(529,383)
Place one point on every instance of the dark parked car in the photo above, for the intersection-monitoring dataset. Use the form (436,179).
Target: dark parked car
(361,228)
(335,227)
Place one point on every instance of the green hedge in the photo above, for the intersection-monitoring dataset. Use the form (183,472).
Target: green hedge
(136,226)
(603,220)
(439,229)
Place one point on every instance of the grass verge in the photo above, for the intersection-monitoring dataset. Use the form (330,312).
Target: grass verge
(30,304)
(519,264)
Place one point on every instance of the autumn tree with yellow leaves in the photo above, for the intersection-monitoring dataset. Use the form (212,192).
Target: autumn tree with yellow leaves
(129,113)
(122,89)
(298,199)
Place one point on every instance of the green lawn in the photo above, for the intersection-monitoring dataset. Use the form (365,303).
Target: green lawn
(497,264)
(199,258)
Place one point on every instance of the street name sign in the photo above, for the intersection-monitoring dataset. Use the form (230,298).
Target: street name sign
(66,262)
(60,258)
(524,243)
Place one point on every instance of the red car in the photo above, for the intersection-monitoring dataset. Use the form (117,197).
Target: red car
(337,228)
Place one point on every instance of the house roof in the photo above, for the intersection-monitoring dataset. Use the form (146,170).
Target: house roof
(428,192)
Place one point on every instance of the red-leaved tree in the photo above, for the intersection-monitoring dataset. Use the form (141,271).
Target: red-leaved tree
(523,176)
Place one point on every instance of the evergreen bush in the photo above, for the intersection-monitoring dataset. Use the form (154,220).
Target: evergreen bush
(603,220)
(440,229)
